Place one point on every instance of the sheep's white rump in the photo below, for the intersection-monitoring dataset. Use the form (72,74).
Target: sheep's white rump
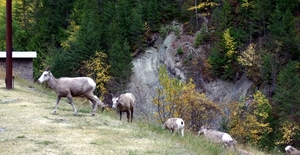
(291,150)
(174,125)
(72,87)
(125,103)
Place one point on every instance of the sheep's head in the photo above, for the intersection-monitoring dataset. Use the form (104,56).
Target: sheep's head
(203,129)
(115,101)
(44,77)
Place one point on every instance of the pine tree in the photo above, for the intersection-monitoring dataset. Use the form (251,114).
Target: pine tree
(223,58)
(88,38)
(120,60)
(152,16)
(137,31)
(287,93)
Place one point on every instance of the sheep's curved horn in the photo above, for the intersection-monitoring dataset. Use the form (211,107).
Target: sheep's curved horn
(48,68)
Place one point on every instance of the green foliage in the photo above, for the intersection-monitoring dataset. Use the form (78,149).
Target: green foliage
(268,67)
(283,31)
(287,93)
(223,58)
(120,60)
(176,30)
(163,32)
(202,36)
(152,14)
(136,29)
(179,50)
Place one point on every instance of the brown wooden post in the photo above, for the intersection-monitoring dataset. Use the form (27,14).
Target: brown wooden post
(8,79)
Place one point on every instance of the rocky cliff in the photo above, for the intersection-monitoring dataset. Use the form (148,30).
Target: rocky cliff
(144,81)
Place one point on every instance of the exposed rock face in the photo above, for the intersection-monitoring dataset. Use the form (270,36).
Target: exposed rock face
(144,81)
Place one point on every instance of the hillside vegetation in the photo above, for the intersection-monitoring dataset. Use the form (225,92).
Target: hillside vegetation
(27,126)
(227,40)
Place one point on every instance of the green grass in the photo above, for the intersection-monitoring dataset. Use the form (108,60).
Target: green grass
(29,127)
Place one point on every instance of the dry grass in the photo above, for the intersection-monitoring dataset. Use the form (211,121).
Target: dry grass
(27,126)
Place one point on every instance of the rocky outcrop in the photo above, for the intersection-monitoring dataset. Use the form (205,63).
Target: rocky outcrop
(144,80)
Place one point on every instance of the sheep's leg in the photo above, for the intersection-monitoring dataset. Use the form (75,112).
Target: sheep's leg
(95,102)
(128,115)
(131,114)
(72,104)
(57,101)
(182,132)
(120,115)
(94,109)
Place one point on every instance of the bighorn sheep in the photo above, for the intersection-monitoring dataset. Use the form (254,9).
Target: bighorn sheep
(174,125)
(125,103)
(291,150)
(69,87)
(217,136)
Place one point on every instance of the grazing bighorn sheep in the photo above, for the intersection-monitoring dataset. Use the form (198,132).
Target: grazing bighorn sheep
(217,136)
(291,150)
(69,87)
(125,103)
(174,125)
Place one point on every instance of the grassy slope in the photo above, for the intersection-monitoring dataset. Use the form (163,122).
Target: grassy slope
(27,126)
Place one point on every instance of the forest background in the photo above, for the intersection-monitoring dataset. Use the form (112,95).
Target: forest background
(99,38)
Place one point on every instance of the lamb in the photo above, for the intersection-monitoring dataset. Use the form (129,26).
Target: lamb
(174,125)
(291,150)
(125,103)
(72,87)
(217,136)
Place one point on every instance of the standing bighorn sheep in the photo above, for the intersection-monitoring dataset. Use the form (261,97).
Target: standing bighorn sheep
(69,87)
(125,103)
(291,150)
(174,125)
(217,136)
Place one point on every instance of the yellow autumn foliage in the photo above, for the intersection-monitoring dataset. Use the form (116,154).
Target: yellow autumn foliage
(288,130)
(230,44)
(248,121)
(97,69)
(179,99)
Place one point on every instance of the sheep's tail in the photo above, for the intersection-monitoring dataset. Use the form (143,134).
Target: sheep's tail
(180,123)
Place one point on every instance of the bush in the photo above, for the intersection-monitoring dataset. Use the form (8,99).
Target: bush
(179,50)
(163,32)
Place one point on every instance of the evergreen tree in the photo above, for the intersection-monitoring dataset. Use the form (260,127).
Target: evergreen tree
(223,58)
(259,16)
(287,93)
(88,38)
(152,16)
(108,18)
(120,60)
(47,30)
(283,30)
(123,18)
(137,31)
(2,28)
